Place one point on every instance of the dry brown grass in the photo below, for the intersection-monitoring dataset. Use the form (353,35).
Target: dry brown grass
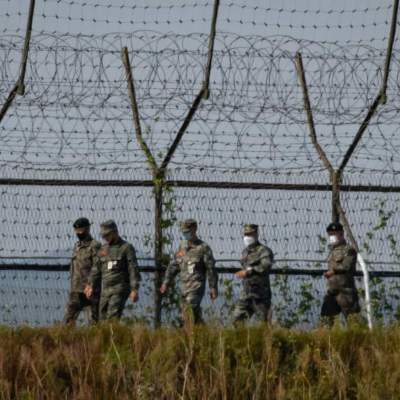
(134,362)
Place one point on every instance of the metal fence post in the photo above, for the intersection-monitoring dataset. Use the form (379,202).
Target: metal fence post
(158,249)
(19,87)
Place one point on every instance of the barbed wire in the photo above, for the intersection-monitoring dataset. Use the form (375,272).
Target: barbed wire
(327,18)
(76,111)
(74,124)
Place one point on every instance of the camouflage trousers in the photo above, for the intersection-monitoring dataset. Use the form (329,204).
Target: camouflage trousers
(191,308)
(246,307)
(112,304)
(340,301)
(76,303)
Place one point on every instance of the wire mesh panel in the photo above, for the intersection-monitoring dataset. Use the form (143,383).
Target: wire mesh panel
(68,146)
(291,222)
(38,298)
(39,219)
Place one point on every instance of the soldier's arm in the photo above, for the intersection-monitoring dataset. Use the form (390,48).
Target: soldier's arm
(345,263)
(133,270)
(209,263)
(264,264)
(95,272)
(71,264)
(95,248)
(171,272)
(71,269)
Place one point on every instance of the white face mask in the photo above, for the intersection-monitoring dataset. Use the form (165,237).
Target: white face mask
(332,239)
(249,240)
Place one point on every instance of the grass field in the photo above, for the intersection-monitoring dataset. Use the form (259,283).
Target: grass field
(135,362)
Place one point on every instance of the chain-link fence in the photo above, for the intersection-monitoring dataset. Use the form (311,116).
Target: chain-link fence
(36,295)
(227,112)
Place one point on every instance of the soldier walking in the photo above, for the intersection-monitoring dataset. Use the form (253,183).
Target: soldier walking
(83,257)
(256,262)
(116,270)
(194,261)
(342,296)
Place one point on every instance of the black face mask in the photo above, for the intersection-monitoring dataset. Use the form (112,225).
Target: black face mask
(81,236)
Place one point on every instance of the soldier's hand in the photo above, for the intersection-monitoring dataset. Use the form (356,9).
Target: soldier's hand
(213,294)
(88,291)
(163,288)
(328,274)
(134,296)
(241,274)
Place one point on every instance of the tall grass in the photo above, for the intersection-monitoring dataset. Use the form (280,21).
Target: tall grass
(135,362)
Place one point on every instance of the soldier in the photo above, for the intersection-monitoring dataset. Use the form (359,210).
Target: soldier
(342,296)
(256,262)
(84,253)
(193,260)
(117,271)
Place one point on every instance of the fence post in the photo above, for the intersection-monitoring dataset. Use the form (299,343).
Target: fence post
(336,175)
(335,180)
(158,248)
(19,87)
(211,42)
(158,171)
(379,99)
(24,61)
(389,51)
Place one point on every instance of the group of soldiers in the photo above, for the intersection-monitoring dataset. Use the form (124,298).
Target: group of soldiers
(103,277)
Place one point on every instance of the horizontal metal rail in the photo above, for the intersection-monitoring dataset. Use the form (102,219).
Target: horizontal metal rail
(218,261)
(220,270)
(200,185)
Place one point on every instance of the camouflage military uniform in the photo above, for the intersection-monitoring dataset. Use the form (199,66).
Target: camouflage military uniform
(342,293)
(193,261)
(81,264)
(116,268)
(255,298)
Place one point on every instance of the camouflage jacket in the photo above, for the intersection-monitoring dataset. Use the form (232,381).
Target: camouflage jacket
(342,261)
(193,262)
(257,261)
(116,268)
(82,261)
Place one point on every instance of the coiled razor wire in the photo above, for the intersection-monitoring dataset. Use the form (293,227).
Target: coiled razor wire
(75,114)
(74,125)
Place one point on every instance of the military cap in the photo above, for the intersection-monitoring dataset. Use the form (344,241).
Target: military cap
(335,227)
(81,223)
(249,229)
(188,224)
(108,226)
